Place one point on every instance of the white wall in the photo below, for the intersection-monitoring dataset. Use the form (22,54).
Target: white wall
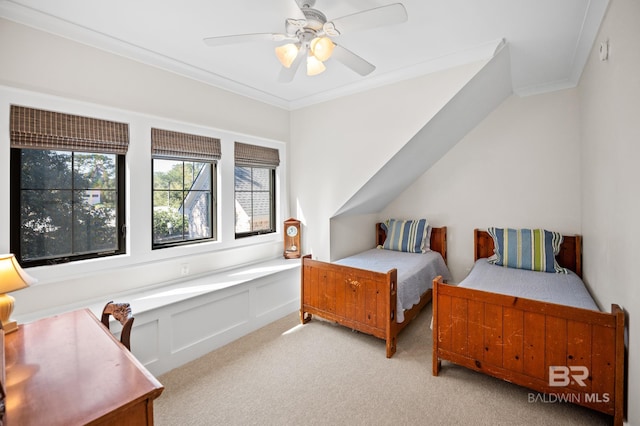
(37,61)
(44,71)
(339,145)
(610,133)
(519,168)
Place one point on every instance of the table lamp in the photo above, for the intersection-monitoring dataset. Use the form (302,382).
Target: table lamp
(12,278)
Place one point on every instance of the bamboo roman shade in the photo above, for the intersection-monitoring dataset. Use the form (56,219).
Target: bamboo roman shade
(171,145)
(256,156)
(38,129)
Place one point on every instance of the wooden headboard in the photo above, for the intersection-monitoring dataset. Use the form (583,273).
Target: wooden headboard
(570,255)
(438,239)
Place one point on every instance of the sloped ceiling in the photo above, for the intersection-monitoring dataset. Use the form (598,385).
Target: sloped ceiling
(467,108)
(549,40)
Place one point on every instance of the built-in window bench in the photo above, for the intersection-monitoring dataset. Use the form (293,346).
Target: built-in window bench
(179,322)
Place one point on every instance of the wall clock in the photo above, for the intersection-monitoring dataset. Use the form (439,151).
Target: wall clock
(291,238)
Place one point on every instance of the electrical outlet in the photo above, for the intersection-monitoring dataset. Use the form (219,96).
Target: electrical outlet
(184,269)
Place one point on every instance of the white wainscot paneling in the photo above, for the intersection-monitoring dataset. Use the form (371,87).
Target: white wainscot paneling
(195,325)
(273,297)
(145,341)
(178,323)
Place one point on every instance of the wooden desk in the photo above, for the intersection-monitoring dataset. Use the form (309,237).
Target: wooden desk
(69,370)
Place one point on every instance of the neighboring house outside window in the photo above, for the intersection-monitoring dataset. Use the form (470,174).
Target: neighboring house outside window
(67,187)
(184,172)
(255,195)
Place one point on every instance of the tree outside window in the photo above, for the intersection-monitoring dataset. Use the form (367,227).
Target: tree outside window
(68,205)
(183,206)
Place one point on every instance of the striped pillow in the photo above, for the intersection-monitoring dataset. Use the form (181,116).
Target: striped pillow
(410,236)
(533,249)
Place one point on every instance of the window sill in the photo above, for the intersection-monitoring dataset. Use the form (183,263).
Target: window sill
(158,296)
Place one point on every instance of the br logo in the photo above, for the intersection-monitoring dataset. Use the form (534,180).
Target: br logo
(560,375)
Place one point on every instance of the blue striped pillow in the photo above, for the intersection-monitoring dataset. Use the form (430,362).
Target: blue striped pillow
(532,249)
(410,236)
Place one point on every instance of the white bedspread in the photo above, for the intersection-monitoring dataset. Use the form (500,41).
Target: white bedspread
(563,289)
(416,272)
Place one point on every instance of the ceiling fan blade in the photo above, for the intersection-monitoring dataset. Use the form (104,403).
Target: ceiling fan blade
(377,17)
(294,11)
(286,74)
(243,38)
(353,61)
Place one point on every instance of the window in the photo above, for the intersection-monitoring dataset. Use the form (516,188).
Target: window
(67,187)
(184,172)
(255,195)
(182,201)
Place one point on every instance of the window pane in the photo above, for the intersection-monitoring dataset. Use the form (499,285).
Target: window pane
(46,224)
(168,195)
(168,225)
(243,178)
(95,225)
(261,211)
(243,212)
(192,171)
(168,175)
(94,171)
(45,169)
(168,198)
(261,179)
(197,215)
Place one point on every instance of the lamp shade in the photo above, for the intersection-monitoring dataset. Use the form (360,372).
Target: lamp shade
(314,66)
(12,276)
(287,54)
(322,48)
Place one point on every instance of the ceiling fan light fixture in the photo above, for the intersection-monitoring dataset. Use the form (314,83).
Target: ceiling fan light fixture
(287,54)
(310,35)
(314,66)
(322,48)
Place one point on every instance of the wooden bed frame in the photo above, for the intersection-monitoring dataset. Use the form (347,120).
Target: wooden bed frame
(519,340)
(360,299)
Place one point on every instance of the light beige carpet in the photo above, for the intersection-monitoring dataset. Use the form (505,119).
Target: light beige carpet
(324,374)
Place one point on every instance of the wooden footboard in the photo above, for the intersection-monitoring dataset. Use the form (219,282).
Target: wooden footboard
(360,299)
(575,355)
(356,298)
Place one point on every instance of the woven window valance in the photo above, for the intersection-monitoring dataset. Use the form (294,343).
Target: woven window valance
(256,156)
(172,145)
(38,129)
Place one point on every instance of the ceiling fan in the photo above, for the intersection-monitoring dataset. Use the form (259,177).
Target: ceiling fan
(308,34)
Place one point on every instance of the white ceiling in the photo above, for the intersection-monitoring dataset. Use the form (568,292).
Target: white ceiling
(549,40)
